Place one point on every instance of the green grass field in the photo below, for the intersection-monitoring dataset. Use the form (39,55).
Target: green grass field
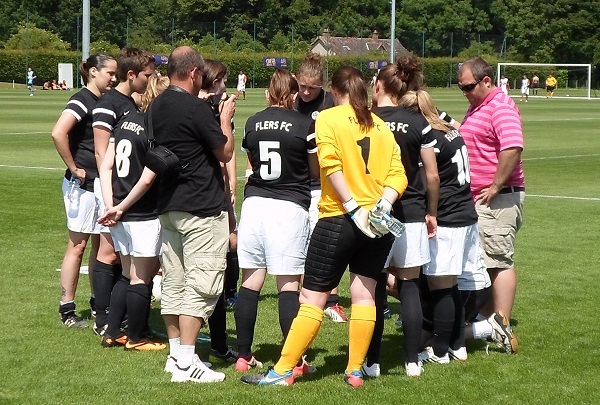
(554,317)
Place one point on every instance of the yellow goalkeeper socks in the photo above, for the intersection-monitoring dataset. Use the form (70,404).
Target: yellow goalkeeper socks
(362,323)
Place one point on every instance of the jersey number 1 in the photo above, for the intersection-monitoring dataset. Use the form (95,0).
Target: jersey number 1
(365,148)
(461,158)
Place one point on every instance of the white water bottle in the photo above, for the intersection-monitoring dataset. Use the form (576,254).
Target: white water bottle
(73,196)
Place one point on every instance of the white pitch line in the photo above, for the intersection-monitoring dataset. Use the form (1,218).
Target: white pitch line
(563,197)
(24,133)
(561,157)
(33,167)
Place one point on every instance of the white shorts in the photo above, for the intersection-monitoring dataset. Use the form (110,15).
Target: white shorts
(241,87)
(313,210)
(411,249)
(86,220)
(474,278)
(273,234)
(137,238)
(525,90)
(101,208)
(452,250)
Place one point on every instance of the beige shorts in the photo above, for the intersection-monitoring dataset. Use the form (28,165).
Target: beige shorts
(193,259)
(498,227)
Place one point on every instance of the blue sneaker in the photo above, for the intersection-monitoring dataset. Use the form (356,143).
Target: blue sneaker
(354,378)
(269,377)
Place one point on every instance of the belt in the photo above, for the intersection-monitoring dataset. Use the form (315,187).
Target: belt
(511,189)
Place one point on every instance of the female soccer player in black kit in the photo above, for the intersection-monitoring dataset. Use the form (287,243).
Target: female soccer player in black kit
(74,140)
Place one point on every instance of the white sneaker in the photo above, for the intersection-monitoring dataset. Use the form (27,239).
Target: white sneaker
(171,362)
(502,334)
(196,372)
(374,371)
(336,313)
(429,356)
(414,369)
(459,354)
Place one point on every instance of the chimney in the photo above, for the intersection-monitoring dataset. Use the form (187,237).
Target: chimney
(326,35)
(375,35)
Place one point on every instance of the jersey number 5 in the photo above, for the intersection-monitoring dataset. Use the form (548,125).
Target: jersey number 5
(270,159)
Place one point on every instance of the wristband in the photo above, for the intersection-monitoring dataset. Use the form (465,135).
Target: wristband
(385,204)
(350,205)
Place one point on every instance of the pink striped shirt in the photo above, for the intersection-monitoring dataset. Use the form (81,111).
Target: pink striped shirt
(487,129)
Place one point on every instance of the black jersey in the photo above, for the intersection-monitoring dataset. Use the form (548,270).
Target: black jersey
(455,206)
(444,116)
(312,109)
(278,142)
(111,108)
(412,133)
(131,145)
(81,136)
(213,103)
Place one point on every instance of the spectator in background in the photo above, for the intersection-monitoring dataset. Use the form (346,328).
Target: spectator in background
(30,78)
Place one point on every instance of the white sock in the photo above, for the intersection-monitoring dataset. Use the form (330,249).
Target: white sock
(482,329)
(64,303)
(174,345)
(186,355)
(480,317)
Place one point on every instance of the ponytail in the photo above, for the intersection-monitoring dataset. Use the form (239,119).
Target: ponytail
(347,80)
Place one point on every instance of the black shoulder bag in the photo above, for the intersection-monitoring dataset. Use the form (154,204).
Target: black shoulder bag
(160,159)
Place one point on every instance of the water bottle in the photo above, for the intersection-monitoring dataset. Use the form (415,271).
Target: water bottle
(395,227)
(73,196)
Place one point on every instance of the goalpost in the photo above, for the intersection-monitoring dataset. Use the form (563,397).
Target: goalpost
(579,66)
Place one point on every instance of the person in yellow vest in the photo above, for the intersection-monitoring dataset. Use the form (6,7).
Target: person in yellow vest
(550,85)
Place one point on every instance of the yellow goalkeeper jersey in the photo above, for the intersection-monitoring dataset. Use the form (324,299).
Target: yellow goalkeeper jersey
(369,161)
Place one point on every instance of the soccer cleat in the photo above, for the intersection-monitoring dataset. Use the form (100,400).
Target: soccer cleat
(459,354)
(172,361)
(73,321)
(107,341)
(145,345)
(196,372)
(502,334)
(354,378)
(269,377)
(244,365)
(203,338)
(413,369)
(99,330)
(304,369)
(373,371)
(429,356)
(336,313)
(230,356)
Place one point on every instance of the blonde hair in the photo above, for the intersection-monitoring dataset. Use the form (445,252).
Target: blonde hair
(282,89)
(156,85)
(421,101)
(312,67)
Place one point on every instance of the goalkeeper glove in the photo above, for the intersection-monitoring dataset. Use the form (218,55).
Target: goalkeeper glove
(377,214)
(360,216)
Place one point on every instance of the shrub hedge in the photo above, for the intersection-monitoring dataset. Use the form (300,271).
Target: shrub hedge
(439,72)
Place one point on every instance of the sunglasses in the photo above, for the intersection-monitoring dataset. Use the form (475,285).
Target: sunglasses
(469,87)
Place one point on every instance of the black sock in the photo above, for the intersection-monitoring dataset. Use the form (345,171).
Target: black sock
(245,319)
(66,310)
(443,320)
(374,350)
(118,307)
(412,318)
(332,301)
(288,309)
(138,305)
(105,277)
(232,275)
(457,339)
(217,323)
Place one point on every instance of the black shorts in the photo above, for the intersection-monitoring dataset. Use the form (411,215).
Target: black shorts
(551,88)
(474,301)
(336,243)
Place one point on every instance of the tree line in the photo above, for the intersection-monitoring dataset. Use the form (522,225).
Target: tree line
(542,31)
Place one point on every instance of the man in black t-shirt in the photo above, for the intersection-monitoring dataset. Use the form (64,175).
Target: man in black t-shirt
(192,210)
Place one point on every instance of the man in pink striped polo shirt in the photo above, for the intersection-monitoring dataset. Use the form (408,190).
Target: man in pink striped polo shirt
(493,134)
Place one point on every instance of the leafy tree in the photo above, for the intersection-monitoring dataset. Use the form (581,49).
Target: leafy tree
(30,37)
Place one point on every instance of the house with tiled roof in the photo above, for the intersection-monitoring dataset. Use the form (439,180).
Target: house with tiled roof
(326,45)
